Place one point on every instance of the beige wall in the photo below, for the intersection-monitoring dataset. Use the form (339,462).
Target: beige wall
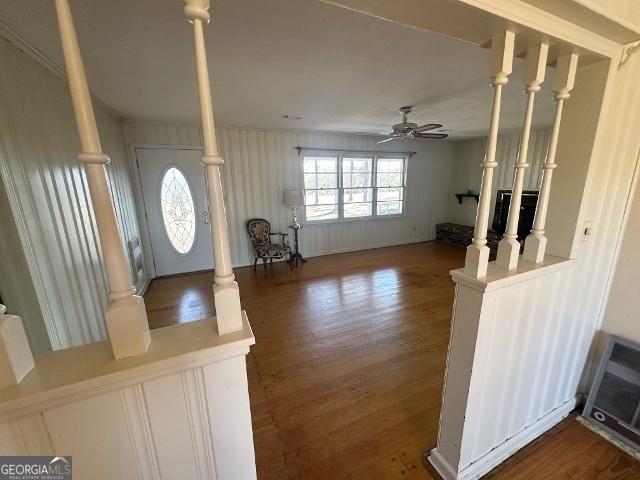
(261,163)
(622,315)
(48,197)
(466,173)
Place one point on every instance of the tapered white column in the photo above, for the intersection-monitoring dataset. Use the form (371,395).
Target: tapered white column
(509,246)
(225,290)
(536,241)
(125,316)
(16,359)
(477,257)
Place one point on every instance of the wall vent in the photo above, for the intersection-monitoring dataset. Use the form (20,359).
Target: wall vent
(614,401)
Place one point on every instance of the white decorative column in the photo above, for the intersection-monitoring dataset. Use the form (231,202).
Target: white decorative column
(536,242)
(125,316)
(509,246)
(16,359)
(477,257)
(225,290)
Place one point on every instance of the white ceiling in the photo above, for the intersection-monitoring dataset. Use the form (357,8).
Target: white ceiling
(337,69)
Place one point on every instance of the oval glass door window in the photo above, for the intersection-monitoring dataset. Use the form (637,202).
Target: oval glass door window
(178,210)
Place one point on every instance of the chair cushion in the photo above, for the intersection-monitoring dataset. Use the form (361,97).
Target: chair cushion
(259,231)
(272,250)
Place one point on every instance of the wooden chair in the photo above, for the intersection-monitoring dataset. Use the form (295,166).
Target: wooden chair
(260,234)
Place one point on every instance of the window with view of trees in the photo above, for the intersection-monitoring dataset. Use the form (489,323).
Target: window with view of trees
(356,186)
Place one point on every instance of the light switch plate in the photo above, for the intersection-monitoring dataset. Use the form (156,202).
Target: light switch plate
(587,230)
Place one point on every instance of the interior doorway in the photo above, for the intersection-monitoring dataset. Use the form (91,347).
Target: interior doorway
(176,209)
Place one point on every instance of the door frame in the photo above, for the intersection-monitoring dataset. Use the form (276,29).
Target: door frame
(145,235)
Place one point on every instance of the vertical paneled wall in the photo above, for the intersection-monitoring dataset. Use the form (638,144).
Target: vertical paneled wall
(261,164)
(466,173)
(520,369)
(49,199)
(188,421)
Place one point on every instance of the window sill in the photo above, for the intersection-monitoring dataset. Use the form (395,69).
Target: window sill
(353,220)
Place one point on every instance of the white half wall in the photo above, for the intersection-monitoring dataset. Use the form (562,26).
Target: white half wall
(180,411)
(261,164)
(49,199)
(530,342)
(466,173)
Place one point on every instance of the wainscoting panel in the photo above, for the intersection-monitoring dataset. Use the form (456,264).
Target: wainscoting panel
(519,362)
(179,412)
(167,409)
(87,427)
(261,164)
(49,198)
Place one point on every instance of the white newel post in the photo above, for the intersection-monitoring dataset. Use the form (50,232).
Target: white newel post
(225,290)
(125,316)
(16,359)
(509,246)
(477,257)
(536,241)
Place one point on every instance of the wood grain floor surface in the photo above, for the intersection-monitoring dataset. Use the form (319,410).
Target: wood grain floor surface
(346,375)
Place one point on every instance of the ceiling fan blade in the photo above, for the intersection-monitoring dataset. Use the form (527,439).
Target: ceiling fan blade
(430,135)
(387,139)
(428,126)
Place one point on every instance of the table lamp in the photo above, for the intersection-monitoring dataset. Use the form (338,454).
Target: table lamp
(293,199)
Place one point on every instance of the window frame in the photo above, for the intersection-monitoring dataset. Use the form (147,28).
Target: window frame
(340,155)
(196,225)
(304,189)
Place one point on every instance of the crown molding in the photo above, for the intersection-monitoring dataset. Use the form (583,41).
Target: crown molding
(24,46)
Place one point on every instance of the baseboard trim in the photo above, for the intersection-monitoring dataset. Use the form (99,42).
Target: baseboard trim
(443,467)
(249,263)
(347,250)
(144,285)
(505,450)
(371,247)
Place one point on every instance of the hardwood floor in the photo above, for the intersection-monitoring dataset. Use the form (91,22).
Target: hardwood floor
(569,451)
(346,374)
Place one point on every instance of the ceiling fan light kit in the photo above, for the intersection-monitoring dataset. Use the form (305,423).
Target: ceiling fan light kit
(408,129)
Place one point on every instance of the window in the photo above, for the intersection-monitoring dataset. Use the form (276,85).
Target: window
(321,188)
(178,213)
(350,187)
(357,187)
(390,186)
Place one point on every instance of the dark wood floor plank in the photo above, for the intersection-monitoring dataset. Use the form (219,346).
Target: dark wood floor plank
(346,376)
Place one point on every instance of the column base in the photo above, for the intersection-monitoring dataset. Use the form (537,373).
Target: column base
(508,253)
(128,327)
(228,310)
(16,359)
(476,261)
(534,248)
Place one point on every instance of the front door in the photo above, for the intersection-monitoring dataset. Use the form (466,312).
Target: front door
(177,211)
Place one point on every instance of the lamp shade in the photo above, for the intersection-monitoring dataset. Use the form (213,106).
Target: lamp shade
(293,198)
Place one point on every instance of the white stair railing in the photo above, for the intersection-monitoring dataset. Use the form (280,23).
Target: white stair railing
(477,256)
(536,242)
(225,290)
(16,359)
(125,316)
(509,246)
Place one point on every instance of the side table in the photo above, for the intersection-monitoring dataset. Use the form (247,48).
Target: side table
(296,253)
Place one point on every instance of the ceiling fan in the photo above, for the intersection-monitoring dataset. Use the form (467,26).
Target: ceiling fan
(412,130)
